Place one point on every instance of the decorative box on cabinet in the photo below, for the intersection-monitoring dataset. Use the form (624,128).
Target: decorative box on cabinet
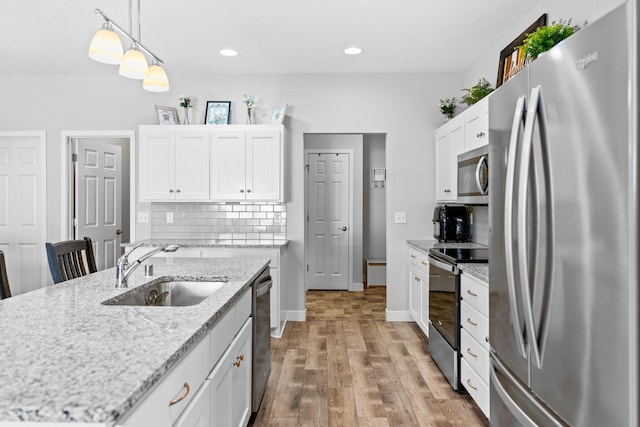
(419,288)
(474,339)
(173,165)
(247,165)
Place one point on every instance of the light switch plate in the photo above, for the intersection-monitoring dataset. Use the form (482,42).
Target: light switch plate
(401,218)
(143,217)
(169,217)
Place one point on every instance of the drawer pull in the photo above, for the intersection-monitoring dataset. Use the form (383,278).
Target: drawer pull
(180,398)
(424,263)
(471,293)
(471,385)
(238,361)
(417,279)
(413,256)
(471,353)
(471,322)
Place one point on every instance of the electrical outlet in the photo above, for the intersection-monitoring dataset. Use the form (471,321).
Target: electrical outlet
(169,217)
(277,218)
(143,217)
(401,218)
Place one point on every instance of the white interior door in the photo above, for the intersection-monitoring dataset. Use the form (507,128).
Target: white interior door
(98,198)
(328,210)
(23,209)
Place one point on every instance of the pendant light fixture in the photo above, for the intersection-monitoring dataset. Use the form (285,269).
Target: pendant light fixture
(106,47)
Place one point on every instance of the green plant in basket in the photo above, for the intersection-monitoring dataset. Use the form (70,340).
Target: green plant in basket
(477,92)
(544,38)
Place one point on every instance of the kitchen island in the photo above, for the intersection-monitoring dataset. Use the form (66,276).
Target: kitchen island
(67,358)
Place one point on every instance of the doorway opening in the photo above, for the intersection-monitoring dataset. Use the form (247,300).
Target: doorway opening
(97,186)
(333,163)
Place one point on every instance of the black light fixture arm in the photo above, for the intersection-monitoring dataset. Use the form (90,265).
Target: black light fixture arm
(128,36)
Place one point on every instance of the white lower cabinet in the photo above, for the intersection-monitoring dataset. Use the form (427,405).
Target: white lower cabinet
(474,339)
(188,395)
(231,383)
(419,288)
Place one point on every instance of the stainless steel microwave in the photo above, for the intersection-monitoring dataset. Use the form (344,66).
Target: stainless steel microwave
(473,176)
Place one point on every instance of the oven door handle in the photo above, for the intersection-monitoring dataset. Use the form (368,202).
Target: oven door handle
(443,265)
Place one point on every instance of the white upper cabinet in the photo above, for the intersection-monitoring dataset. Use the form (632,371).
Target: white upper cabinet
(476,130)
(247,165)
(217,163)
(174,165)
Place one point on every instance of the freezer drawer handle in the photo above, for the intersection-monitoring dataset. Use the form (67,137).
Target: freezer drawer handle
(471,353)
(471,293)
(471,385)
(471,322)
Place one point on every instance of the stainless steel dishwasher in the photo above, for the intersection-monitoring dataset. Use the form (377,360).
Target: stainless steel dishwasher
(261,312)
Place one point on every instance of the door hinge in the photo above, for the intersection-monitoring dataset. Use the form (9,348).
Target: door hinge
(307,218)
(307,267)
(75,222)
(306,167)
(74,157)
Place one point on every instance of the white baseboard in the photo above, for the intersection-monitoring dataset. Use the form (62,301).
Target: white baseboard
(296,315)
(356,287)
(277,332)
(399,316)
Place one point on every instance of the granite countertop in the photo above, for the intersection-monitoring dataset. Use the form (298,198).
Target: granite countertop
(203,243)
(425,245)
(478,270)
(68,358)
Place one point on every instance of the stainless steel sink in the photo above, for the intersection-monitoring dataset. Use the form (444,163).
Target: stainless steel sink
(173,293)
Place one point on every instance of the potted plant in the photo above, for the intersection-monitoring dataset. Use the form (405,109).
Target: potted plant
(448,107)
(477,92)
(544,38)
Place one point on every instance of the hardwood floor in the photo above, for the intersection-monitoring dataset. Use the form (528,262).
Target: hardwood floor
(346,366)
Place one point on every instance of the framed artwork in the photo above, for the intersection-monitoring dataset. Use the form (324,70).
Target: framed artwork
(218,113)
(166,115)
(277,117)
(512,59)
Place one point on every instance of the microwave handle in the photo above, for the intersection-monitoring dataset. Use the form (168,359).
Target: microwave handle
(481,162)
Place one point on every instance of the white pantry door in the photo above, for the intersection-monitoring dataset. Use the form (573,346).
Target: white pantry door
(98,198)
(328,211)
(23,209)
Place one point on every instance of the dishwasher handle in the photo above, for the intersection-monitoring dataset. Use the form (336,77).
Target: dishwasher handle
(263,286)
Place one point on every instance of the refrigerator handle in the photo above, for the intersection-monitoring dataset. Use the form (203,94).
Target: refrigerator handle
(508,225)
(519,413)
(523,258)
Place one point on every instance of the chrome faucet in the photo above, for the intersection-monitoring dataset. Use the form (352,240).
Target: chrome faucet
(124,270)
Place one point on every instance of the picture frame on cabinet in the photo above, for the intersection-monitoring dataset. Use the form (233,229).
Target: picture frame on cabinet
(218,113)
(167,115)
(512,58)
(277,117)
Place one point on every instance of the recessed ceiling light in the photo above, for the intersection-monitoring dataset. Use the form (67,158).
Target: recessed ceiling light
(228,52)
(353,50)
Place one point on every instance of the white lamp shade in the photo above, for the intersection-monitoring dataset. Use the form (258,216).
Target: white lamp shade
(134,65)
(156,80)
(106,47)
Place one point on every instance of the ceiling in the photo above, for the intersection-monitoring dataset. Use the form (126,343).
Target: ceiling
(272,36)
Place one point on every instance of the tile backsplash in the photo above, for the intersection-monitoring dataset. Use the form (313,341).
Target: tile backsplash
(480,227)
(237,222)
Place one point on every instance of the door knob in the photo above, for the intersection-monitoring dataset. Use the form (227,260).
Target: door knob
(118,232)
(342,228)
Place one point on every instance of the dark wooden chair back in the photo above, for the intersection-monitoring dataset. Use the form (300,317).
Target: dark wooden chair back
(5,292)
(71,259)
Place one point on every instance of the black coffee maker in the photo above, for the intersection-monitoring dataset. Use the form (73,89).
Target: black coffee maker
(451,223)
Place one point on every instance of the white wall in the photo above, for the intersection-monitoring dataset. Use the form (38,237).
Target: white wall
(404,107)
(578,10)
(374,199)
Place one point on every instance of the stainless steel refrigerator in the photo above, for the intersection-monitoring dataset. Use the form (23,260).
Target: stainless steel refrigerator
(564,223)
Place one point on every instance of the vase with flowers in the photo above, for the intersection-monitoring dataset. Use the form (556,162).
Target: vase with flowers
(448,107)
(250,100)
(185,102)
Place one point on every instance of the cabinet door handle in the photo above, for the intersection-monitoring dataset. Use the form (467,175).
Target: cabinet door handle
(471,385)
(471,353)
(417,279)
(178,190)
(241,190)
(471,293)
(171,190)
(248,190)
(412,256)
(238,361)
(471,322)
(181,397)
(480,135)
